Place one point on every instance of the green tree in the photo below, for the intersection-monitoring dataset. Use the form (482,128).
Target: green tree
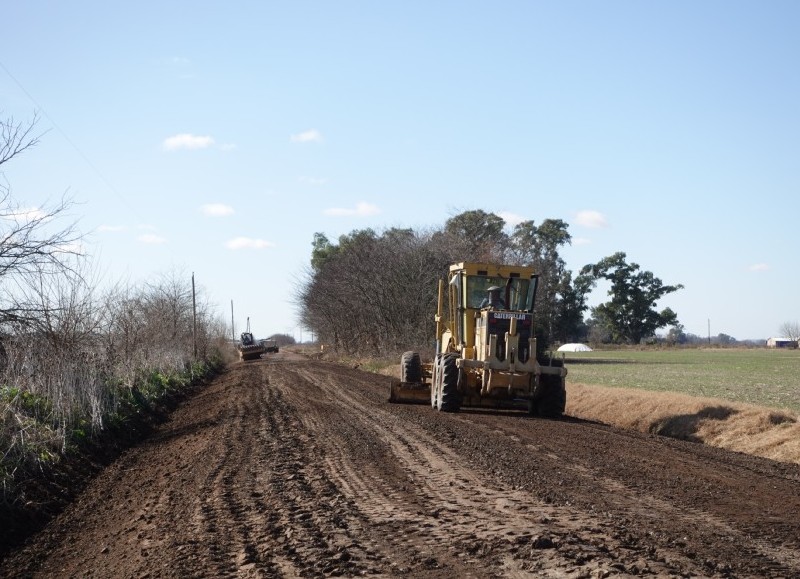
(377,291)
(676,335)
(560,303)
(476,235)
(571,306)
(630,315)
(725,340)
(322,250)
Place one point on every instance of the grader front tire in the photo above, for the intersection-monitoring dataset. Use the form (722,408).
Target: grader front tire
(449,396)
(410,367)
(435,381)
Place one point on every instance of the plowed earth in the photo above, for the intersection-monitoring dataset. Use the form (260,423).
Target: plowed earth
(287,467)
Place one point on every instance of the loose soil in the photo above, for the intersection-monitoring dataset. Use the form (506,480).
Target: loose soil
(289,467)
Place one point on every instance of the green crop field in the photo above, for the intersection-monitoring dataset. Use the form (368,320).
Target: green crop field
(755,376)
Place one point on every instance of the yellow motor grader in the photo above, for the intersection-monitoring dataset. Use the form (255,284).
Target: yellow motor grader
(248,347)
(486,352)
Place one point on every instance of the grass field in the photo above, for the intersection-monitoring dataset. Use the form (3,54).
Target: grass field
(753,376)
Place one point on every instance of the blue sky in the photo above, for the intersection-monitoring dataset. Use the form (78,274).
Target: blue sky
(217,137)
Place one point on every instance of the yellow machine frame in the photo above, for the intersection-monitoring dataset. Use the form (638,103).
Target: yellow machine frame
(494,369)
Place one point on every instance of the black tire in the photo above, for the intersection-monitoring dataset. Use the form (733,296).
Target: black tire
(553,401)
(410,368)
(449,396)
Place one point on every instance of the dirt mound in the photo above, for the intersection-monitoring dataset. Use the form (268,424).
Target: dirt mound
(765,432)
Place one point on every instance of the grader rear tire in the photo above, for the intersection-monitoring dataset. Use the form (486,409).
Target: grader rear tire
(553,401)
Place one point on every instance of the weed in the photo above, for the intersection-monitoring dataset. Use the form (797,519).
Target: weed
(29,403)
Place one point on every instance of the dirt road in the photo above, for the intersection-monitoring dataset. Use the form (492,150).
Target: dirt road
(285,467)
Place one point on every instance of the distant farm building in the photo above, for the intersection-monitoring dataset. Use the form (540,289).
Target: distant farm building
(781,343)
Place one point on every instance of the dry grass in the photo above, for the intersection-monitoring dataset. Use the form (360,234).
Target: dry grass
(736,426)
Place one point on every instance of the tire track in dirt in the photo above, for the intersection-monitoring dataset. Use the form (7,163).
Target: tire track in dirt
(656,517)
(735,521)
(229,504)
(265,500)
(453,506)
(306,514)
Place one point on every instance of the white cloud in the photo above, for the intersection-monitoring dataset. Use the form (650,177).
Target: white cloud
(248,243)
(312,180)
(75,248)
(152,239)
(309,136)
(361,209)
(511,219)
(25,215)
(591,219)
(187,141)
(216,209)
(759,267)
(581,241)
(108,228)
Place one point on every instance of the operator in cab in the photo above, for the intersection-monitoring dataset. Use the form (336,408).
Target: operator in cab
(493,298)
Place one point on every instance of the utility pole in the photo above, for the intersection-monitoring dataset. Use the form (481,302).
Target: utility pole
(709,331)
(233,331)
(194,319)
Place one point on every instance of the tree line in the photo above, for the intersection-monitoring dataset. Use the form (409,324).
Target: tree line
(375,292)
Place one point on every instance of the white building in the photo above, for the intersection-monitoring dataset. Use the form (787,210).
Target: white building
(781,343)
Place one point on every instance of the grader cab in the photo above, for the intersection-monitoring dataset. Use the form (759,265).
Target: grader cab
(486,347)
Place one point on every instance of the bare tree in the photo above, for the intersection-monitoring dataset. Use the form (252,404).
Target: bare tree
(28,240)
(16,137)
(149,327)
(373,292)
(56,353)
(31,241)
(69,361)
(790,330)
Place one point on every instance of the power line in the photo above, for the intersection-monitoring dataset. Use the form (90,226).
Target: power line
(86,159)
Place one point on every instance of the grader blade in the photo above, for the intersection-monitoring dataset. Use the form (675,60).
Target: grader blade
(409,392)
